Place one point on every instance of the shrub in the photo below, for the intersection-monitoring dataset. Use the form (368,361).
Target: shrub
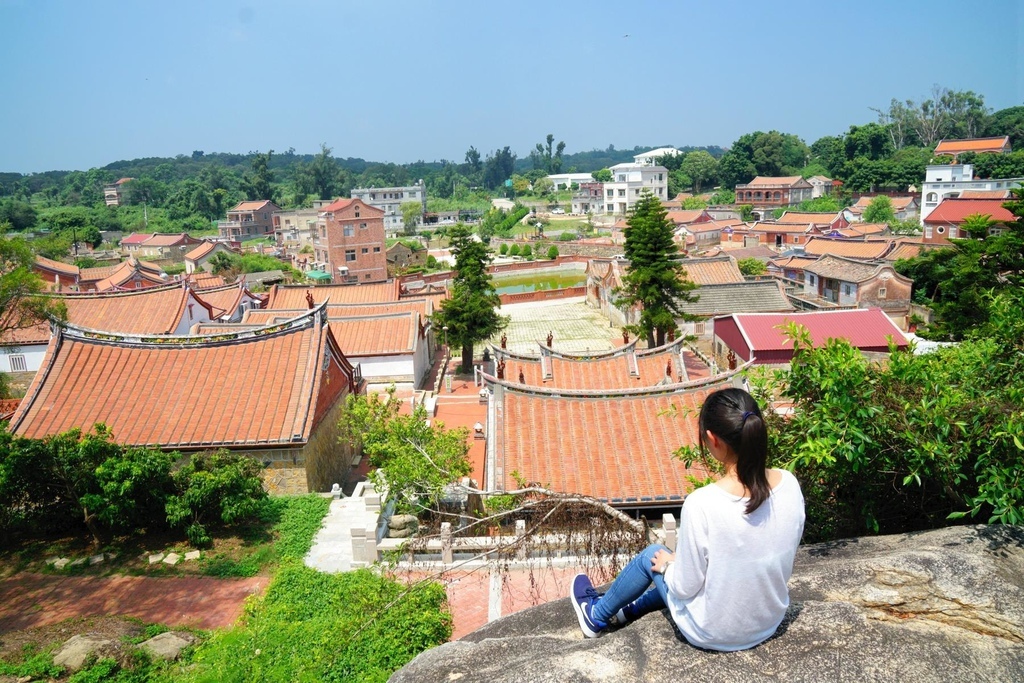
(526,251)
(514,250)
(553,252)
(503,249)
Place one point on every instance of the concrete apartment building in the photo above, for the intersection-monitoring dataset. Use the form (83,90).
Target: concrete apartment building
(113,194)
(629,181)
(390,200)
(349,242)
(948,181)
(248,221)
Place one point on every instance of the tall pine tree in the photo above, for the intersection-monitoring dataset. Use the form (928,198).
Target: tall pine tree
(470,314)
(656,279)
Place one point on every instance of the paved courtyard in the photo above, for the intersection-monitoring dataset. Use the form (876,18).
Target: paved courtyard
(577,328)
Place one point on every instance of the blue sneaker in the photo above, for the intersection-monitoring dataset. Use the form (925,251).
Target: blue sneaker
(584,597)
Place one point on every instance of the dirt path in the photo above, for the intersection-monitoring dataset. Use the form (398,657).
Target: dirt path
(31,600)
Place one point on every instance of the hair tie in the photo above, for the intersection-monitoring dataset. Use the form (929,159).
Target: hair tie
(746,415)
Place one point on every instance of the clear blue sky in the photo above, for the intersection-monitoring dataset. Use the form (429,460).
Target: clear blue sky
(84,83)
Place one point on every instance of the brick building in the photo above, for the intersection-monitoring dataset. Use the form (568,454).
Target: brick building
(349,242)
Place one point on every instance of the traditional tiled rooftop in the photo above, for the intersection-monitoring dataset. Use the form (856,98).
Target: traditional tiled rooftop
(739,297)
(858,249)
(615,448)
(863,230)
(805,217)
(898,203)
(996,144)
(155,310)
(577,328)
(377,335)
(260,390)
(203,280)
(712,270)
(786,228)
(202,250)
(844,269)
(907,250)
(776,181)
(294,296)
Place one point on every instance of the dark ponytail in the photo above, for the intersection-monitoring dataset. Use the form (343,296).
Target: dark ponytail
(734,416)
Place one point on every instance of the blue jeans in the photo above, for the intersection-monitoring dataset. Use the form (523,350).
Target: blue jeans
(633,584)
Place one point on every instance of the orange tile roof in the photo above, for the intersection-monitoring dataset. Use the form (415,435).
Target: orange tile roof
(98,273)
(954,147)
(251,206)
(294,296)
(713,270)
(33,334)
(8,406)
(985,194)
(202,250)
(617,448)
(685,216)
(788,228)
(907,250)
(863,229)
(169,239)
(375,333)
(858,249)
(805,217)
(778,181)
(793,262)
(898,203)
(261,390)
(203,280)
(337,205)
(125,272)
(155,310)
(225,299)
(58,266)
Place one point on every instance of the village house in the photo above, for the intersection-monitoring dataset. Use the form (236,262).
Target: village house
(231,302)
(951,181)
(768,193)
(823,222)
(844,282)
(170,309)
(944,223)
(821,186)
(199,258)
(750,296)
(588,198)
(904,208)
(629,182)
(128,274)
(22,350)
(349,243)
(401,256)
(760,338)
(390,199)
(276,396)
(954,148)
(775,234)
(650,157)
(248,220)
(164,247)
(295,229)
(114,193)
(790,269)
(860,250)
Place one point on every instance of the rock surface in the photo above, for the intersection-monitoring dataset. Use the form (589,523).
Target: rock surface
(945,605)
(74,653)
(168,645)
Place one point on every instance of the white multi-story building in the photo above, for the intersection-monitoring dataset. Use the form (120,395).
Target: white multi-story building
(629,181)
(950,180)
(390,200)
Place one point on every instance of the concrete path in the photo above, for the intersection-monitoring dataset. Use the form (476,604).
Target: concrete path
(332,548)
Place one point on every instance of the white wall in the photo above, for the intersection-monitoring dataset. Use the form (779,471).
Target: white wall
(33,356)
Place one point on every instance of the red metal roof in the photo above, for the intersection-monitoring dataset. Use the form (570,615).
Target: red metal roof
(956,210)
(863,327)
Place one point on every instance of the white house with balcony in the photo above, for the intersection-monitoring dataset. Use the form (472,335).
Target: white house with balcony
(948,181)
(629,182)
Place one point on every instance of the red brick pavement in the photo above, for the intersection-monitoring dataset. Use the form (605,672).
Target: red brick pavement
(30,600)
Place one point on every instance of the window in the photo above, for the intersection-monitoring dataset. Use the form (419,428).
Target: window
(928,231)
(362,226)
(796,239)
(376,250)
(700,328)
(611,193)
(941,229)
(17,361)
(846,290)
(357,212)
(350,230)
(622,193)
(659,177)
(365,250)
(350,254)
(881,292)
(366,277)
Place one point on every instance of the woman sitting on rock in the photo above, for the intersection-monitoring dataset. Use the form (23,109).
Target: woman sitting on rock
(725,585)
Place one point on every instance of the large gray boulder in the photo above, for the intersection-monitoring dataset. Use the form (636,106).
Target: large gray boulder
(945,605)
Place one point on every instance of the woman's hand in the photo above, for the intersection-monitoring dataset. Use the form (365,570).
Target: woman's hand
(661,560)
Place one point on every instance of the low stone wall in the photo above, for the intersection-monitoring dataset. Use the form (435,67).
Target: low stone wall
(543,295)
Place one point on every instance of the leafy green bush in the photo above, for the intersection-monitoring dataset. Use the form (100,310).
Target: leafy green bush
(513,250)
(216,487)
(526,251)
(310,626)
(553,252)
(911,443)
(503,249)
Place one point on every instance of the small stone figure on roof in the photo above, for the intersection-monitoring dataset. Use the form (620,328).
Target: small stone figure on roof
(732,360)
(504,340)
(501,369)
(551,338)
(668,368)
(671,334)
(309,299)
(522,377)
(625,337)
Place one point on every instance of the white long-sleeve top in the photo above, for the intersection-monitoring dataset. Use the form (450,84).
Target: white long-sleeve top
(727,586)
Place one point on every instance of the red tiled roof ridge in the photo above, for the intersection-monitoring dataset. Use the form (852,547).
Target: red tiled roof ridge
(92,294)
(593,355)
(599,394)
(53,264)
